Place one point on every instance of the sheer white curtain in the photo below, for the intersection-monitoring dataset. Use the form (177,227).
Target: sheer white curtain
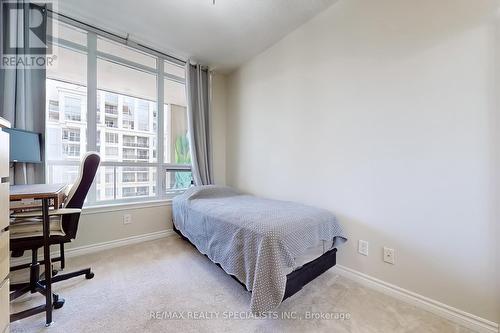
(198,100)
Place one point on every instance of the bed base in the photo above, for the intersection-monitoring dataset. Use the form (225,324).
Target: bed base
(297,279)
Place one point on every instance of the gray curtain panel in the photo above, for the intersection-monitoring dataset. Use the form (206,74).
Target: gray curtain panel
(198,100)
(22,102)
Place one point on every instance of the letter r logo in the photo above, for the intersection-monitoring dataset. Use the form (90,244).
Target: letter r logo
(24,28)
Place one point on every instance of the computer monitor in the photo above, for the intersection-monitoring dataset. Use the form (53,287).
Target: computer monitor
(24,146)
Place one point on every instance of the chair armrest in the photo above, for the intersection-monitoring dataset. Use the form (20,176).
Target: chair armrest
(65,211)
(53,212)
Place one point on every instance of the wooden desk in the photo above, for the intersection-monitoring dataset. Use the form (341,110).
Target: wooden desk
(53,192)
(46,193)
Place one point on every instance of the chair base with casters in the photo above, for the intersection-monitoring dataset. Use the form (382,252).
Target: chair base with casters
(36,282)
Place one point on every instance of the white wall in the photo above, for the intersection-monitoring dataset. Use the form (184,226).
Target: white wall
(385,113)
(219,127)
(101,227)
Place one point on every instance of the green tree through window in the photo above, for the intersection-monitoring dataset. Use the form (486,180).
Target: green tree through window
(182,156)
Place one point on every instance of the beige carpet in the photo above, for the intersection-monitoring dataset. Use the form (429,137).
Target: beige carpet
(169,277)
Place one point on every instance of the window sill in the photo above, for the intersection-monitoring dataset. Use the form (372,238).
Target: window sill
(98,209)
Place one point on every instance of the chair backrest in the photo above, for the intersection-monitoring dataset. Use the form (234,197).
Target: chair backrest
(79,190)
(86,175)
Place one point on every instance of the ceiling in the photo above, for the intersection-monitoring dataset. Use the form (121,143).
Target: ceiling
(223,36)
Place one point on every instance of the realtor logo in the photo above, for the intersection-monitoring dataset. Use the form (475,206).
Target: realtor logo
(24,30)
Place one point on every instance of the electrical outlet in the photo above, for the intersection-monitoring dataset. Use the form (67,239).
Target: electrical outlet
(389,255)
(127,218)
(363,247)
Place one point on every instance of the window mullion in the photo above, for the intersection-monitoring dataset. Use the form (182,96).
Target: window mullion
(160,172)
(92,102)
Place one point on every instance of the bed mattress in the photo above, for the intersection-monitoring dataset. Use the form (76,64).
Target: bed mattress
(257,240)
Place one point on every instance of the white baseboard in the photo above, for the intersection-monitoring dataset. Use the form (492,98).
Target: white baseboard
(455,315)
(87,249)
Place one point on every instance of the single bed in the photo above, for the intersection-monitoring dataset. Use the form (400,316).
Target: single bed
(271,247)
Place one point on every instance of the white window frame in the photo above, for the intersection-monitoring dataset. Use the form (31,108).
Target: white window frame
(92,55)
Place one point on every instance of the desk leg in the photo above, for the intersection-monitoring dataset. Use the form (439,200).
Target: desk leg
(48,263)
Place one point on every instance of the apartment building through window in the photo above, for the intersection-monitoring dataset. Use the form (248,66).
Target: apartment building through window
(125,123)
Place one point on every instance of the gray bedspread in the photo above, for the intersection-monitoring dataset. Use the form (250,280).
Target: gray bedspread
(252,238)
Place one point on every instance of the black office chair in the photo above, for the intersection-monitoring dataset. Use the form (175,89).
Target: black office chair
(26,232)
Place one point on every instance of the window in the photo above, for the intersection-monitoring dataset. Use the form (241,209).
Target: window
(142,190)
(128,177)
(132,93)
(174,70)
(105,184)
(124,123)
(176,140)
(128,192)
(129,141)
(128,124)
(71,135)
(66,119)
(109,176)
(63,174)
(127,111)
(142,154)
(142,142)
(177,181)
(128,53)
(143,115)
(54,110)
(71,150)
(111,103)
(111,151)
(68,32)
(109,192)
(111,137)
(99,108)
(111,109)
(129,154)
(142,176)
(139,191)
(73,108)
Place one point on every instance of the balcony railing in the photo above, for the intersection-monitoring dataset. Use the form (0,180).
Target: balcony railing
(135,145)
